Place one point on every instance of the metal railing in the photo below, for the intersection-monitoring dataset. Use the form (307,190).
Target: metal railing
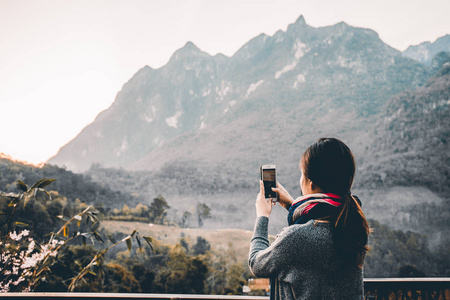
(117,296)
(374,288)
(407,288)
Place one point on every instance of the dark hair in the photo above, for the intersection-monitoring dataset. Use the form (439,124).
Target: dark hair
(330,165)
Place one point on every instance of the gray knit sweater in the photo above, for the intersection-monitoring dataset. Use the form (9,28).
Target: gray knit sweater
(302,263)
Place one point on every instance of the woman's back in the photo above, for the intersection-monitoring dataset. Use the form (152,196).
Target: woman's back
(303,263)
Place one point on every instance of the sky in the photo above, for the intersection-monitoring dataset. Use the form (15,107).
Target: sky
(62,62)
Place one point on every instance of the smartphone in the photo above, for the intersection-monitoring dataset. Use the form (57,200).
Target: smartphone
(269,178)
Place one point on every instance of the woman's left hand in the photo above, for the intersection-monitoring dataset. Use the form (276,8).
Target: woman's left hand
(263,207)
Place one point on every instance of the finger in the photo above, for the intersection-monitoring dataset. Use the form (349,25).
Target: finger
(261,187)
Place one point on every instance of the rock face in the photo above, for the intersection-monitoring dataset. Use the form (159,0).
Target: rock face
(265,103)
(425,52)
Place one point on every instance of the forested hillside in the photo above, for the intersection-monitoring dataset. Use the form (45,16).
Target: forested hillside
(410,144)
(71,185)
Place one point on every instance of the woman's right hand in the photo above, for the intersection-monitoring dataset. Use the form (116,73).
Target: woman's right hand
(284,197)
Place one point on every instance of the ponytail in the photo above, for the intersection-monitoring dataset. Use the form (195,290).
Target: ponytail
(352,231)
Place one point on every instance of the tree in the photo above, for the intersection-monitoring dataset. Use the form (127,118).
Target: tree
(158,209)
(235,280)
(115,279)
(203,212)
(201,247)
(185,274)
(185,219)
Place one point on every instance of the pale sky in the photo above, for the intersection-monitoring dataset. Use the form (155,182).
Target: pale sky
(63,62)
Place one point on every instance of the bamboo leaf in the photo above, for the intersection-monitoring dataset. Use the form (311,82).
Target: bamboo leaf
(41,195)
(44,182)
(92,217)
(26,198)
(138,240)
(95,226)
(14,202)
(35,185)
(20,224)
(92,272)
(128,241)
(98,237)
(22,186)
(111,238)
(9,196)
(149,241)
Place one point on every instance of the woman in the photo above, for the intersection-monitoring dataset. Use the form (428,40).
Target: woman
(321,254)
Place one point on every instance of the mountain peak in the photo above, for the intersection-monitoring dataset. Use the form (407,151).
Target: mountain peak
(425,51)
(189,49)
(300,23)
(301,20)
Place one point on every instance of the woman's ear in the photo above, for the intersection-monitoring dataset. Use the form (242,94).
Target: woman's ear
(314,188)
(311,185)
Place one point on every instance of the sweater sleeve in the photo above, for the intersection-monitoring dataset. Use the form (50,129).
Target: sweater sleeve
(264,260)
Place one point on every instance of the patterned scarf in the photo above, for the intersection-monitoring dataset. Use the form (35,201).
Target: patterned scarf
(313,206)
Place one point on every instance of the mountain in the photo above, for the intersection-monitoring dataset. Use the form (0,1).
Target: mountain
(425,52)
(270,99)
(412,136)
(402,176)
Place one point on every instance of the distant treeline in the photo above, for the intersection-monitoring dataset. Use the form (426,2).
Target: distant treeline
(71,185)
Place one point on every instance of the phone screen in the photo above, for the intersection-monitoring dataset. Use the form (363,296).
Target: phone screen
(269,180)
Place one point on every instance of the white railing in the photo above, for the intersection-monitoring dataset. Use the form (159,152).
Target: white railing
(375,288)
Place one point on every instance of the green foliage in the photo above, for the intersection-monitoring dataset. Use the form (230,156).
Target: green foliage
(410,147)
(185,219)
(115,279)
(392,251)
(24,263)
(201,246)
(71,185)
(180,268)
(440,63)
(158,210)
(184,274)
(182,177)
(203,212)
